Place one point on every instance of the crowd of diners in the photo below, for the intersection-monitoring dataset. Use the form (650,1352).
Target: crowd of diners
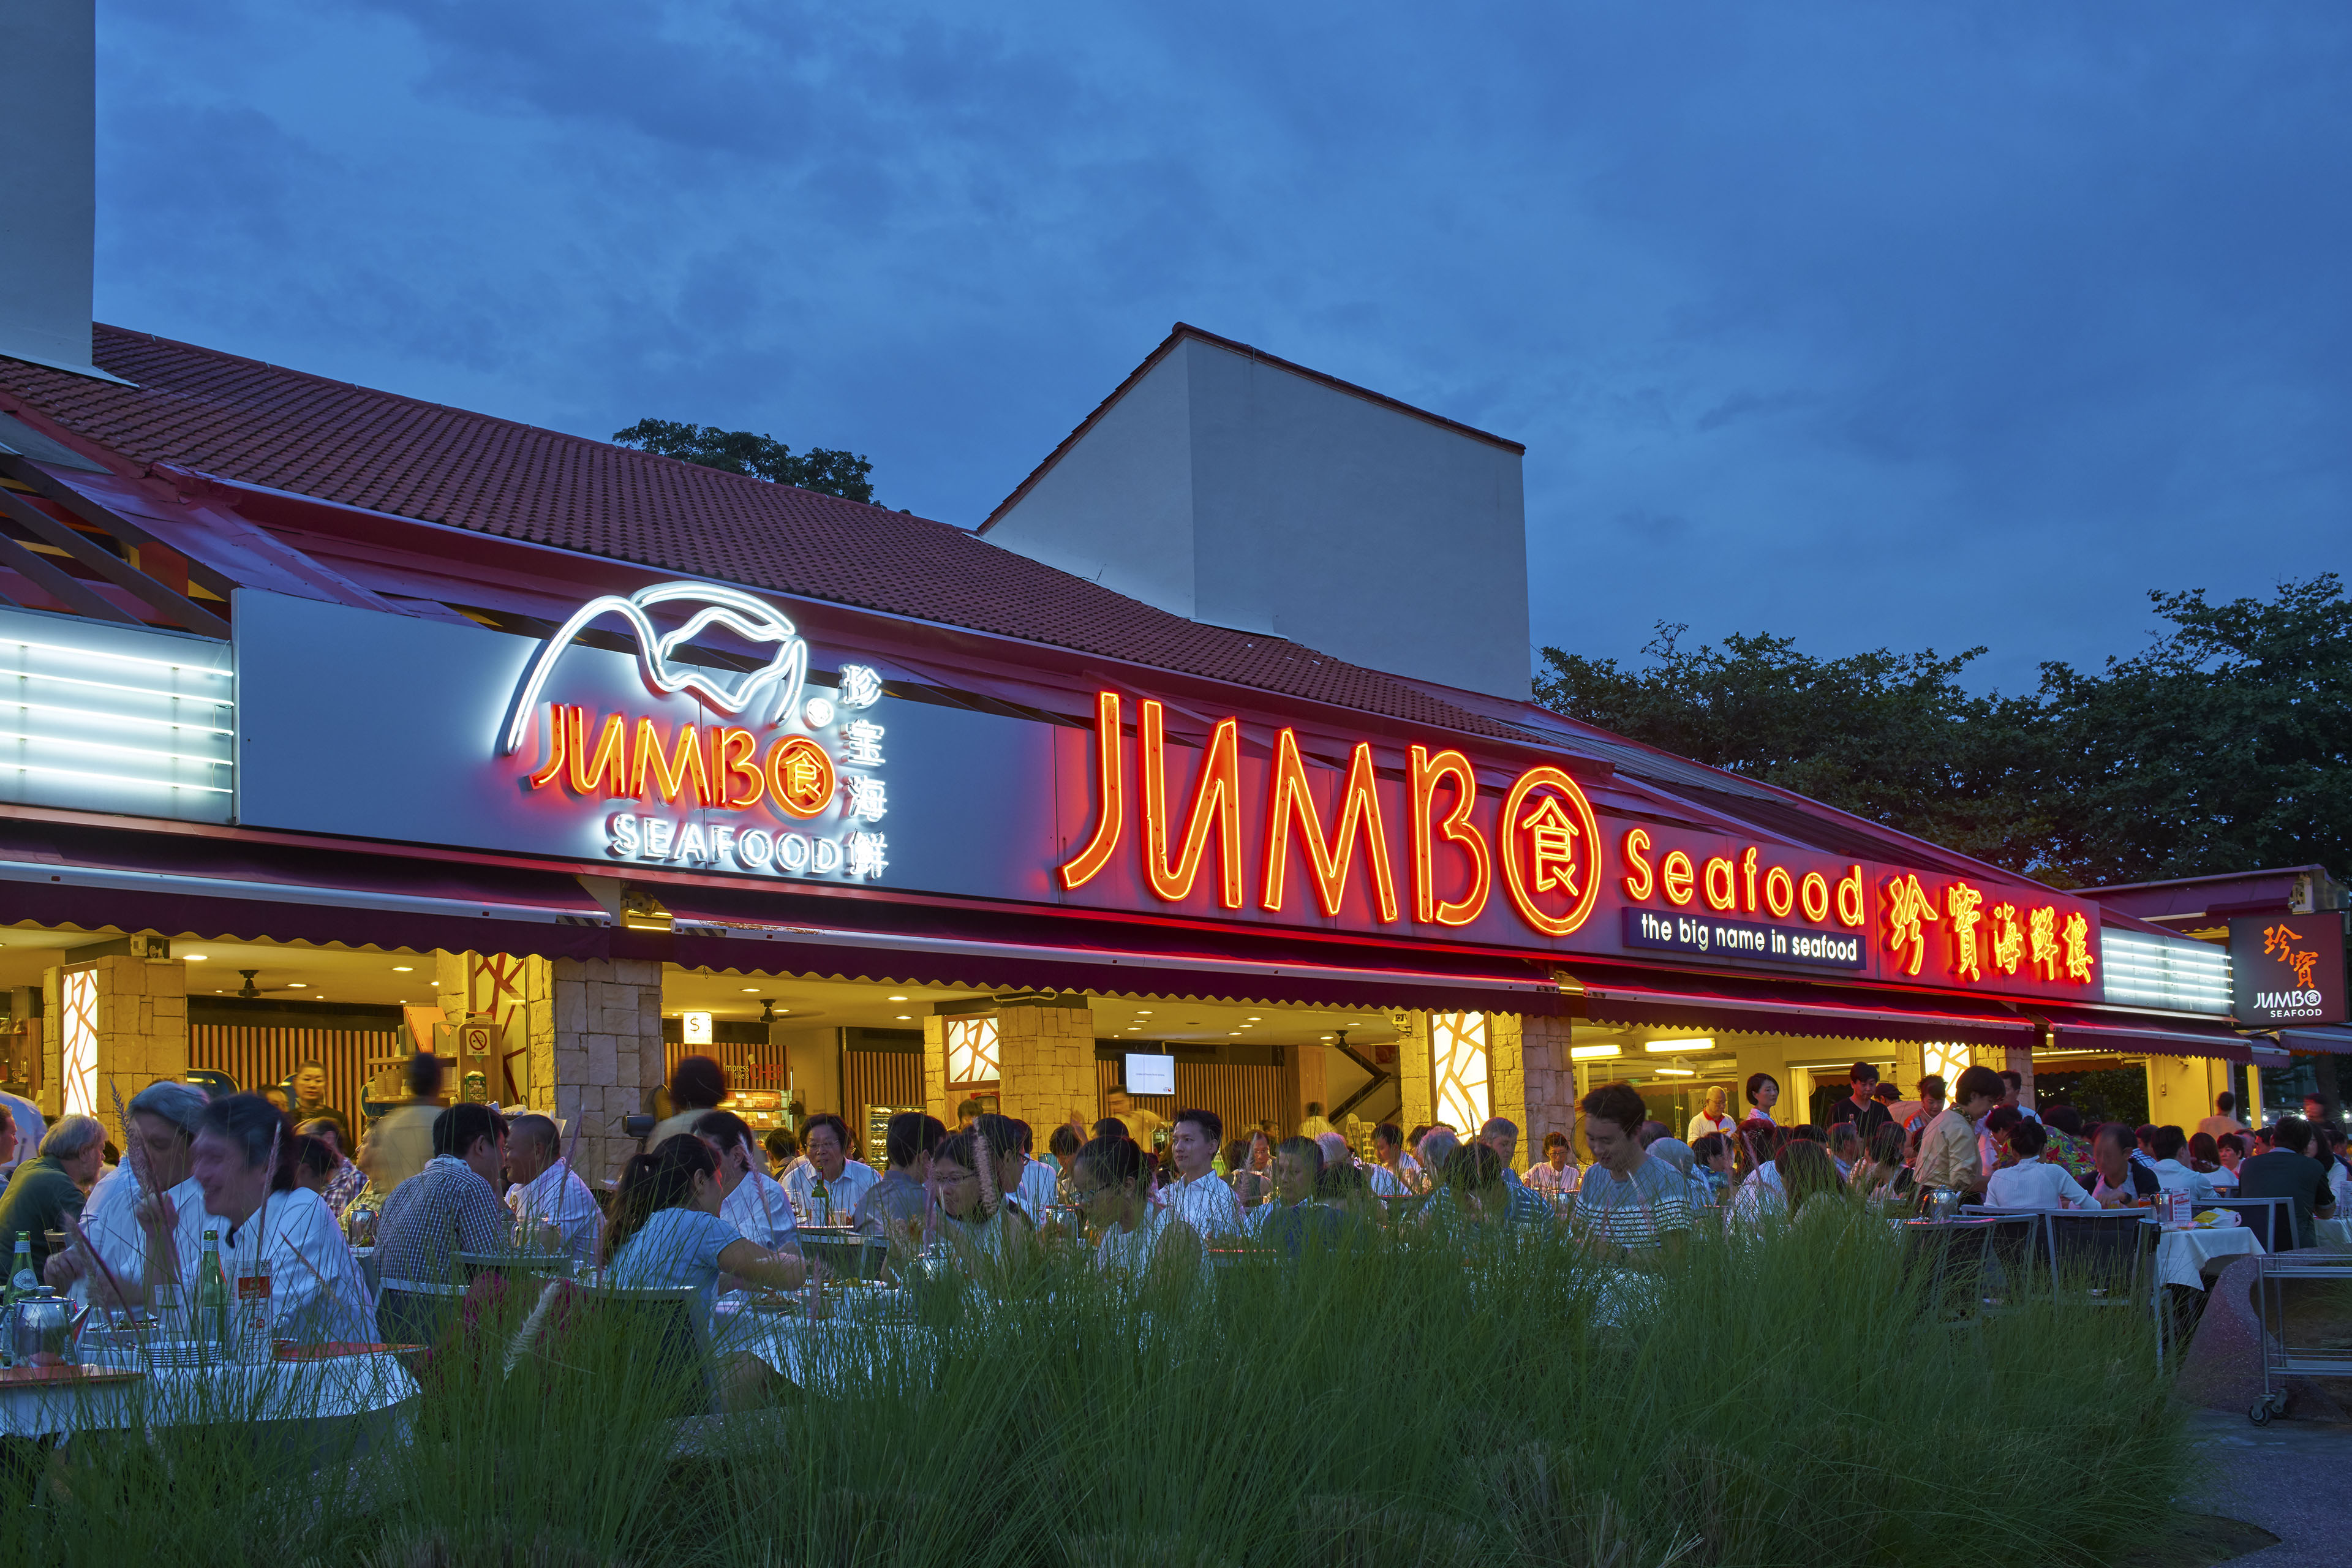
(706,1205)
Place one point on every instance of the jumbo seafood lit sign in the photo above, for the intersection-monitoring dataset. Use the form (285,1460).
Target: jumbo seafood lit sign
(739,772)
(1426,837)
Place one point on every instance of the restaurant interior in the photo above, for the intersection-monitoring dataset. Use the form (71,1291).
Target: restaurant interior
(796,1044)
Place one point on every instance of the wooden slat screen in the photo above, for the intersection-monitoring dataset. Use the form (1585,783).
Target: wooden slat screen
(1241,1096)
(879,1077)
(259,1055)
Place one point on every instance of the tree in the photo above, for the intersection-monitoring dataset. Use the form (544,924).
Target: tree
(762,457)
(2225,746)
(1891,737)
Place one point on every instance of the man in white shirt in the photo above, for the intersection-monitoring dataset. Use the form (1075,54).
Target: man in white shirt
(317,1293)
(825,1191)
(547,1191)
(2034,1183)
(2171,1174)
(164,1120)
(2224,1119)
(1034,1189)
(1198,1196)
(1393,1172)
(749,1199)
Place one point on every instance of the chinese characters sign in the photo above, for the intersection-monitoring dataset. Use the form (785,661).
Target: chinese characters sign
(2288,969)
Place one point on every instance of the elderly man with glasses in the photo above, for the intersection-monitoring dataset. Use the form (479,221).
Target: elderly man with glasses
(164,1120)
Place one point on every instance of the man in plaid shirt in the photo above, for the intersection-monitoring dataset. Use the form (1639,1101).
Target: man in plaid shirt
(451,1206)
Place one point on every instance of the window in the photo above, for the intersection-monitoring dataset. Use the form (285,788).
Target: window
(972,1050)
(1458,1069)
(78,994)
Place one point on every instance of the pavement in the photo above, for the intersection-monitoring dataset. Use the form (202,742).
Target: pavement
(2288,1476)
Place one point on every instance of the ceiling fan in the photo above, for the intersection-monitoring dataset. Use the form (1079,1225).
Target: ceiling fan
(250,992)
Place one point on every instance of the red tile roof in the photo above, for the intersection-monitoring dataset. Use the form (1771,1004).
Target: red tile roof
(264,425)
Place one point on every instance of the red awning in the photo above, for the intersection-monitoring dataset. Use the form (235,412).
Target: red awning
(2317,1039)
(1771,1007)
(2080,1029)
(218,889)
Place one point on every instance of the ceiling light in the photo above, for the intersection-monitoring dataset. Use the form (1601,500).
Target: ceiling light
(1700,1045)
(904,1018)
(1593,1053)
(750,988)
(403,968)
(1253,1017)
(195,957)
(1143,1012)
(1233,1031)
(894,998)
(1326,1036)
(298,986)
(1676,1068)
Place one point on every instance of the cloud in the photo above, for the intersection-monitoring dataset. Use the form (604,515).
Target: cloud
(1900,326)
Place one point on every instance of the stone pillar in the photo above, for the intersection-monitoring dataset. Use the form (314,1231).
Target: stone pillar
(1506,1081)
(126,1018)
(1417,1080)
(1045,1062)
(1910,1066)
(935,1070)
(595,1028)
(1551,1083)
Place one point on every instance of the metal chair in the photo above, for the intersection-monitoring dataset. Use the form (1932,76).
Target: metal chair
(2020,1245)
(2270,1219)
(669,1333)
(1949,1255)
(417,1311)
(539,1265)
(2106,1257)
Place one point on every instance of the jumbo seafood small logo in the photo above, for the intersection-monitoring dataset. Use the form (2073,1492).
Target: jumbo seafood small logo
(2285,946)
(809,801)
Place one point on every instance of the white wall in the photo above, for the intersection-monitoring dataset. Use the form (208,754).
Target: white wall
(1118,508)
(1240,493)
(49,180)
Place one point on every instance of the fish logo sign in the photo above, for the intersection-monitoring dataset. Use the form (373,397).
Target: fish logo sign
(761,696)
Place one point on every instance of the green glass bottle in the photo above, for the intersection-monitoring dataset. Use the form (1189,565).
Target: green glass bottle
(21,1277)
(211,1323)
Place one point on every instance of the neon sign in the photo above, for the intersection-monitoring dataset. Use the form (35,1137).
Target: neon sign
(811,798)
(1547,839)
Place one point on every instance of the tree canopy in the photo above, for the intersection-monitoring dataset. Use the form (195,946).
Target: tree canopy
(845,474)
(2222,747)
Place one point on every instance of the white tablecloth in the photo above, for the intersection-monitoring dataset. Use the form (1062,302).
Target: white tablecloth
(823,1357)
(2181,1255)
(181,1396)
(2335,1235)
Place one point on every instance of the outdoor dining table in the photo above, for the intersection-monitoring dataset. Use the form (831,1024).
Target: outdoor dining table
(824,1356)
(2183,1251)
(140,1392)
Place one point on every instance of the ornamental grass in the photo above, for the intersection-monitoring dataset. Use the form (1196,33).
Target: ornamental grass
(1792,1397)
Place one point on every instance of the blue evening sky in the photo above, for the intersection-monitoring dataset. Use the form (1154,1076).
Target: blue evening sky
(1908,324)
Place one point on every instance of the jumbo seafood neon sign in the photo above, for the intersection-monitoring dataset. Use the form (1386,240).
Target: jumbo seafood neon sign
(732,794)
